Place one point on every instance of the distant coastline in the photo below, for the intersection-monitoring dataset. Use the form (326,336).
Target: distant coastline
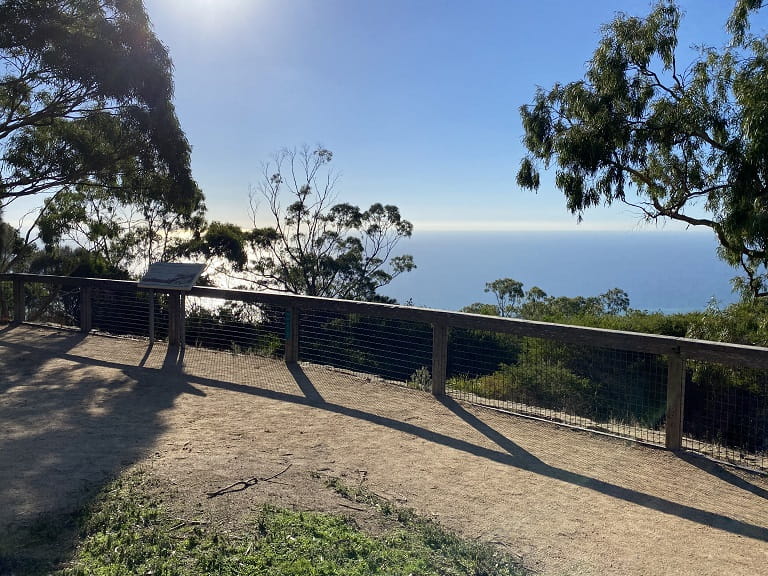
(668,271)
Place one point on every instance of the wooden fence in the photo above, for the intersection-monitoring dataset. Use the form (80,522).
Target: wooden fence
(676,350)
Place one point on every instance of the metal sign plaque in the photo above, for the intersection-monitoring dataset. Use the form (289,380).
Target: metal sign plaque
(171,276)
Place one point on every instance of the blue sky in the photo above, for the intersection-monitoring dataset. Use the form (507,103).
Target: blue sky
(418,99)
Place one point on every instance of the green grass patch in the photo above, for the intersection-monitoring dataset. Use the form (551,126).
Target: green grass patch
(125,532)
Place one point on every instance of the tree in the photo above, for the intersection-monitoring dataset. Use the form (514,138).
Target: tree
(14,251)
(86,112)
(481,308)
(315,246)
(124,229)
(687,144)
(615,302)
(535,304)
(509,293)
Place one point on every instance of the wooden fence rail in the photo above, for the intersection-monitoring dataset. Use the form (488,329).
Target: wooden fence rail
(676,350)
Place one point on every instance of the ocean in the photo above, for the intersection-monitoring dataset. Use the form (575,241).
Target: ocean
(660,270)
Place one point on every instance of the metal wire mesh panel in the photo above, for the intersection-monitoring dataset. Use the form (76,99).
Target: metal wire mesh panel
(238,327)
(6,302)
(125,312)
(726,413)
(52,304)
(397,350)
(611,391)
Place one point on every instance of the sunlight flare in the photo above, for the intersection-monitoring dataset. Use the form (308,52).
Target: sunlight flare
(213,15)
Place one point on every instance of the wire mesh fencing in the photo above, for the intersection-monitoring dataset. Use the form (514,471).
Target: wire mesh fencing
(6,302)
(125,311)
(52,304)
(617,383)
(612,391)
(726,413)
(235,326)
(396,350)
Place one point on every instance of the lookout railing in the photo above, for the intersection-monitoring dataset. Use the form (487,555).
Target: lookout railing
(677,393)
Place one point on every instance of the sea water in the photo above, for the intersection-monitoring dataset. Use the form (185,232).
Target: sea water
(660,270)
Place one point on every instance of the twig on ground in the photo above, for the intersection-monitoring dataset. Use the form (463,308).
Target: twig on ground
(245,484)
(183,522)
(353,508)
(283,471)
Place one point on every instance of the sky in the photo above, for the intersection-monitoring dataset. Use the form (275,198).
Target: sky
(417,99)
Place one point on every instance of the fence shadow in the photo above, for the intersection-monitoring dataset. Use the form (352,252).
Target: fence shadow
(720,471)
(510,454)
(522,459)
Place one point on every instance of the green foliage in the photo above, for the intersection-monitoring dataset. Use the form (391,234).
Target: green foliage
(86,84)
(15,251)
(366,343)
(508,293)
(66,261)
(86,118)
(237,328)
(639,321)
(225,241)
(481,308)
(550,386)
(535,304)
(745,322)
(723,405)
(421,379)
(449,553)
(127,533)
(685,143)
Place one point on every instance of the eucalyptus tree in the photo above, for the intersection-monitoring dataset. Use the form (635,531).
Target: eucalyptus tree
(86,117)
(313,245)
(509,295)
(685,143)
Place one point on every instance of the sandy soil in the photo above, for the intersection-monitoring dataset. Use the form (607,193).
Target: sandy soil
(76,411)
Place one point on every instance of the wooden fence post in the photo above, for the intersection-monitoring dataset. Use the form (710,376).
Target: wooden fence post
(181,327)
(86,309)
(173,318)
(19,306)
(439,358)
(151,316)
(675,400)
(291,334)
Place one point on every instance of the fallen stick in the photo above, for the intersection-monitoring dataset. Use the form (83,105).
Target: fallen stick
(241,485)
(183,523)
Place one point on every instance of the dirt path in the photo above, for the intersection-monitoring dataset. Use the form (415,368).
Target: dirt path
(74,412)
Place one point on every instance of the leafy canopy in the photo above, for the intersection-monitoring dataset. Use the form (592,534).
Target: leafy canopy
(535,304)
(685,143)
(86,117)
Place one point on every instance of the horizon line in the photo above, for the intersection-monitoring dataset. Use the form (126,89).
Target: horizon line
(549,226)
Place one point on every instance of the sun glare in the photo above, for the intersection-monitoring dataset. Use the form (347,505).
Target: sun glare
(211,15)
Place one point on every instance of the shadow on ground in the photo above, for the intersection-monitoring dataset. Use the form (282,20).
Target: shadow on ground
(71,420)
(513,455)
(66,431)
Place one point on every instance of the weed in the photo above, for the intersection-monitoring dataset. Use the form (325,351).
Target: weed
(421,379)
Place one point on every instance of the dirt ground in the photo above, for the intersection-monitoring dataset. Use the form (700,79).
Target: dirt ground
(76,411)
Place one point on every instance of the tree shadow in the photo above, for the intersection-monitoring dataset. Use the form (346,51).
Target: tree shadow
(68,429)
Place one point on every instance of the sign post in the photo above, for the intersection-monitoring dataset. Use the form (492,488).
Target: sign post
(176,278)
